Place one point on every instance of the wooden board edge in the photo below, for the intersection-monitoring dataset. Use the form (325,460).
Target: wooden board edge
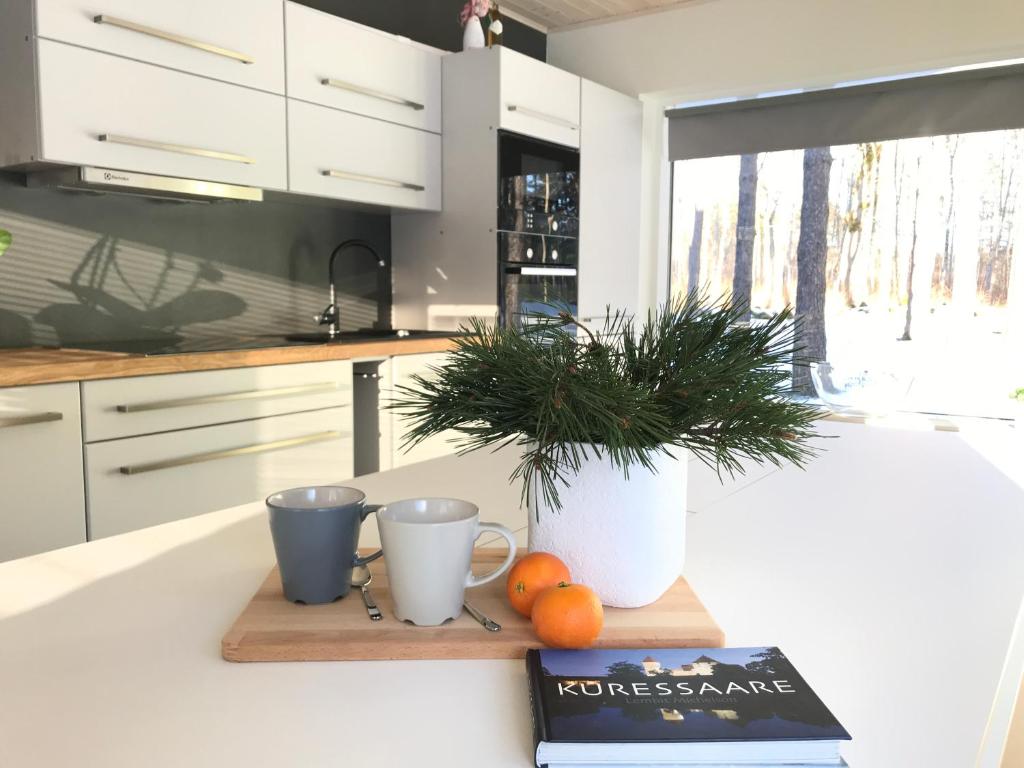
(235,650)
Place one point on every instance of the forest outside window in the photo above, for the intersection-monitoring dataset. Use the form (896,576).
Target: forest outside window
(896,249)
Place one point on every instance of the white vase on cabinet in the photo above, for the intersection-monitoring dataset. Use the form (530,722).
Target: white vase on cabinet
(625,538)
(473,34)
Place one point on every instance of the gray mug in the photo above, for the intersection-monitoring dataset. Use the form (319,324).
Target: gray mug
(316,534)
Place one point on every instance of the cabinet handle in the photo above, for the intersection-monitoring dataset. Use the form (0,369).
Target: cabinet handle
(229,397)
(173,38)
(180,149)
(245,450)
(543,271)
(346,86)
(371,179)
(544,116)
(29,418)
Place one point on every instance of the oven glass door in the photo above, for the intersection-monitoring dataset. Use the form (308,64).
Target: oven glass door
(530,291)
(515,247)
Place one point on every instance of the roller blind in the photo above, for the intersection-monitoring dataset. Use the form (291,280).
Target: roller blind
(985,99)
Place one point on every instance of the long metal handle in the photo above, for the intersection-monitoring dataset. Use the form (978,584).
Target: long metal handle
(335,174)
(245,450)
(173,38)
(371,604)
(229,397)
(346,86)
(29,418)
(181,149)
(543,116)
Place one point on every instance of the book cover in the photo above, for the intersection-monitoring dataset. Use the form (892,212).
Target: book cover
(674,695)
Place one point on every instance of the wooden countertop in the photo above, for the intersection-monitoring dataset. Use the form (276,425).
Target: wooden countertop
(39,365)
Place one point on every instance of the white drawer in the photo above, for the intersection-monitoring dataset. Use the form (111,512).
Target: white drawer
(240,41)
(351,157)
(165,117)
(148,404)
(40,470)
(539,100)
(403,368)
(341,64)
(141,481)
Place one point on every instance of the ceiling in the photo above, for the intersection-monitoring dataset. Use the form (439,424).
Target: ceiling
(554,14)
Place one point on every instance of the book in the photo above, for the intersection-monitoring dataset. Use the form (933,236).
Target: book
(677,707)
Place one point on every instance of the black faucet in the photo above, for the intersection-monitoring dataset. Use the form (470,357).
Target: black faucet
(330,316)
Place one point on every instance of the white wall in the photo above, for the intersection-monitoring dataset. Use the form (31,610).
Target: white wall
(715,48)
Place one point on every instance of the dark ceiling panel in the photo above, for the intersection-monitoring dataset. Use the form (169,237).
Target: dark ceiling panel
(433,22)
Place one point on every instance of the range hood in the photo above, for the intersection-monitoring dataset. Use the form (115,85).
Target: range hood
(89,179)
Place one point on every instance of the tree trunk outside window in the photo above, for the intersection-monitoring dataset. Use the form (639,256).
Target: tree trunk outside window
(746,211)
(812,249)
(693,260)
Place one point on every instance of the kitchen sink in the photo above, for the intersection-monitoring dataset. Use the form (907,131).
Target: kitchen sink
(365,334)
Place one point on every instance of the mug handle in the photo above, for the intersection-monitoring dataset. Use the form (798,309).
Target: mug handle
(368,510)
(476,581)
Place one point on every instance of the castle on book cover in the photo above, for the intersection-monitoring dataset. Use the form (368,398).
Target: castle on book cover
(720,694)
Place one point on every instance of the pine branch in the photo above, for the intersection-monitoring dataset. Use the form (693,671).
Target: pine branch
(692,377)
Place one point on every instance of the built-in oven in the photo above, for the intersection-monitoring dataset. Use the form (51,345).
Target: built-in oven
(531,291)
(538,227)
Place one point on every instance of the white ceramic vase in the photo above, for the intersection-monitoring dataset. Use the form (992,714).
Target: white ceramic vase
(473,34)
(623,538)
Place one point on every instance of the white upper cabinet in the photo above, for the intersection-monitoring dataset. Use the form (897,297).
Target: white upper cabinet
(207,90)
(351,157)
(340,64)
(97,109)
(537,99)
(609,246)
(238,41)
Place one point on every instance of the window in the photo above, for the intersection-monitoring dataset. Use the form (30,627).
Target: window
(910,242)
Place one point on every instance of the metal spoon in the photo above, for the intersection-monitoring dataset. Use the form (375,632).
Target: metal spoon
(361,577)
(488,624)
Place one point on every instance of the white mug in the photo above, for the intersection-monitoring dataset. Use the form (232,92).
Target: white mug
(428,547)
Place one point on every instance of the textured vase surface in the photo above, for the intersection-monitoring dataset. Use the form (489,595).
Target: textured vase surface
(473,34)
(623,538)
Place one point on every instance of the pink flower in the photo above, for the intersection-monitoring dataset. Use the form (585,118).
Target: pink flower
(474,8)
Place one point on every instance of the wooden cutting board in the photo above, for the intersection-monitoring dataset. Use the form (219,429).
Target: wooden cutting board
(273,629)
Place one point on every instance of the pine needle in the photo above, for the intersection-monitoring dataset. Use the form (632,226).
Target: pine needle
(691,376)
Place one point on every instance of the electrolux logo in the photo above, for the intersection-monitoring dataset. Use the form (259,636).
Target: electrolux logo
(110,176)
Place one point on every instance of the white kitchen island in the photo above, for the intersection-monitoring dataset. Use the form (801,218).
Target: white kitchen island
(890,572)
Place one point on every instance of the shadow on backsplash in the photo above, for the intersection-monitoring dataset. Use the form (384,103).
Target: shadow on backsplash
(86,268)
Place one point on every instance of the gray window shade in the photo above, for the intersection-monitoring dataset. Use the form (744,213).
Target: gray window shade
(956,102)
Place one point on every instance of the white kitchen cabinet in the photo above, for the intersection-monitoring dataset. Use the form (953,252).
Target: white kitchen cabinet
(103,110)
(338,63)
(536,99)
(147,404)
(41,469)
(403,368)
(609,245)
(445,266)
(160,448)
(238,41)
(351,157)
(140,481)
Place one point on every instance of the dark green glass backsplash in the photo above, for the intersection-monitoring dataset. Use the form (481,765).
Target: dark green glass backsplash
(86,267)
